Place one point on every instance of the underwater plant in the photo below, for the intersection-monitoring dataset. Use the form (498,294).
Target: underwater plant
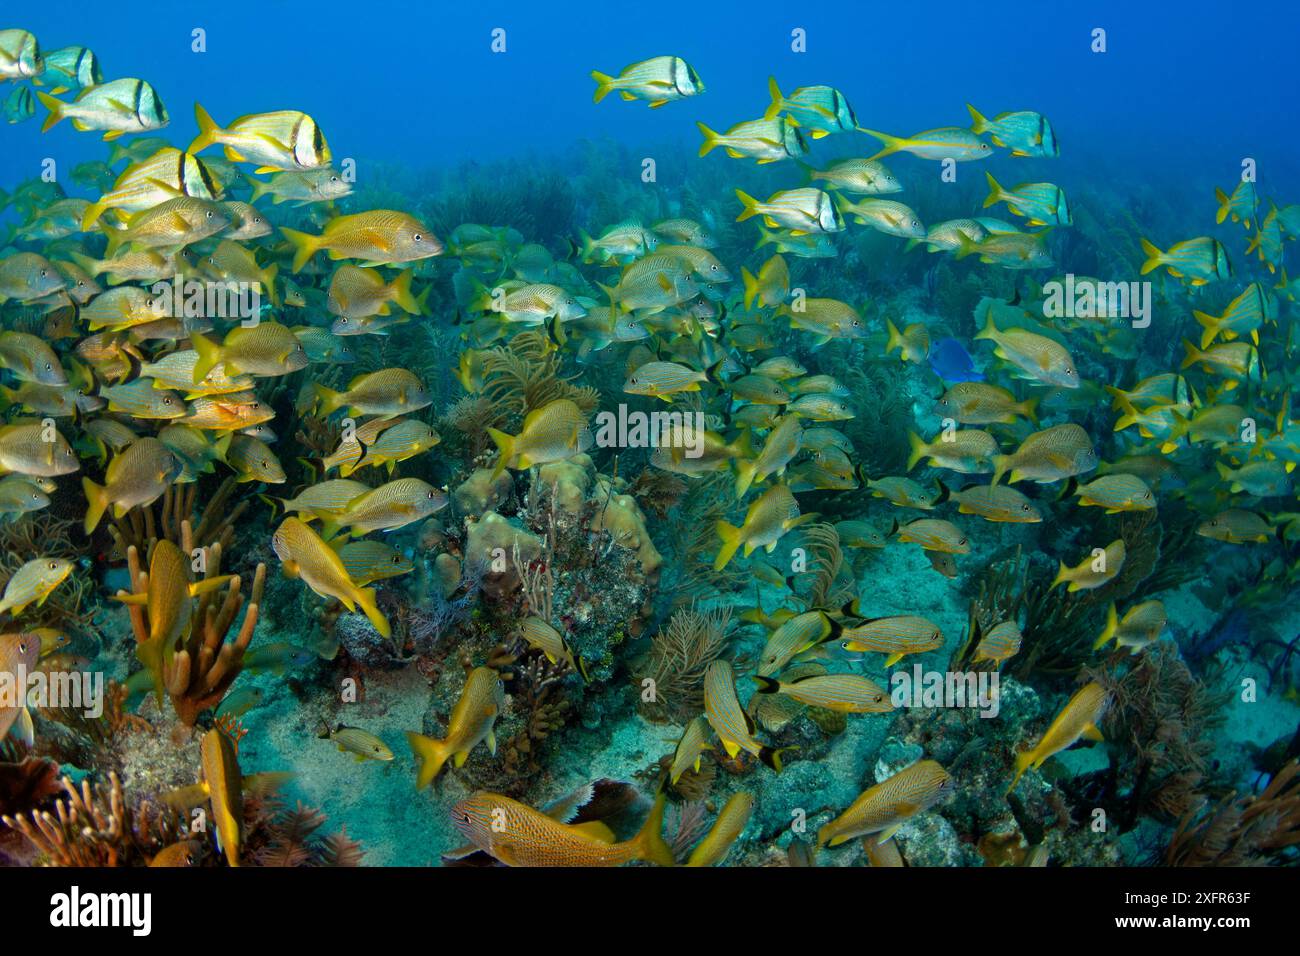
(679,655)
(182,630)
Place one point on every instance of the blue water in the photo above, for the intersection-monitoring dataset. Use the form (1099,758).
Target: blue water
(414,94)
(1184,91)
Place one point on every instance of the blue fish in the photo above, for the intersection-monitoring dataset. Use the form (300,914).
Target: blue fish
(952,363)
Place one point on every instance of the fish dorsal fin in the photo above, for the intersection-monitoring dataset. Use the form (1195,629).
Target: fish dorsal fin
(566,808)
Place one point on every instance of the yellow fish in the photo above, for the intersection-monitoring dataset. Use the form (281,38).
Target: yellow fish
(518,835)
(1094,570)
(1078,718)
(472,722)
(303,554)
(726,830)
(889,804)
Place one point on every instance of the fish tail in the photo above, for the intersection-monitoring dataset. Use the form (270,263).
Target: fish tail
(711,139)
(260,188)
(1181,426)
(91,215)
(965,246)
(1210,326)
(506,444)
(751,285)
(432,754)
(268,282)
(892,144)
(918,449)
(1153,256)
(208,130)
(604,85)
(209,355)
(1062,575)
(1108,632)
(1023,762)
(778,98)
(1000,465)
(328,399)
(88,265)
(744,477)
(990,329)
(730,536)
(1029,408)
(304,247)
(978,123)
(1190,354)
(57,109)
(750,205)
(996,192)
(649,841)
(895,340)
(766,685)
(772,757)
(402,293)
(96,503)
(365,598)
(1222,214)
(116,236)
(587,246)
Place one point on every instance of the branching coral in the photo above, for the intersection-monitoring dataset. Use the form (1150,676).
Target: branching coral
(1242,830)
(679,655)
(199,668)
(1058,629)
(1159,723)
(288,837)
(536,691)
(94,826)
(213,524)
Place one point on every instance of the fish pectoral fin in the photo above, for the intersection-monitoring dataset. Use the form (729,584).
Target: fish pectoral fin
(492,742)
(731,749)
(893,659)
(460,758)
(885,835)
(376,238)
(595,830)
(1090,732)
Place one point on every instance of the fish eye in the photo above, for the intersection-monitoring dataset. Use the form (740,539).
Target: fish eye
(54,565)
(1025,506)
(418,237)
(167,401)
(208,214)
(44,273)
